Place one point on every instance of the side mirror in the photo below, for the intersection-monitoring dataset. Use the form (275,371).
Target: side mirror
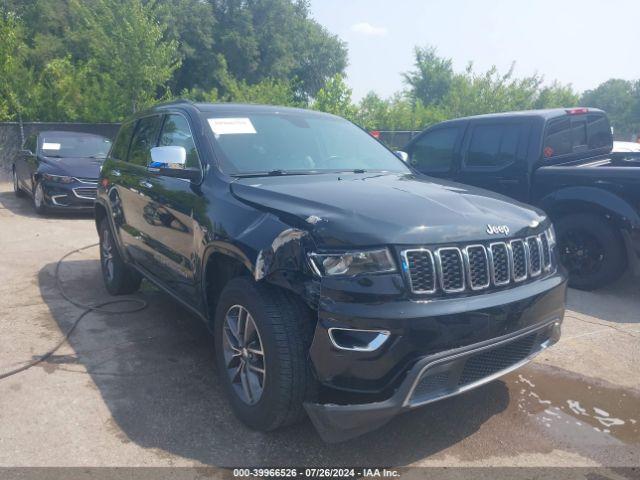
(404,156)
(171,161)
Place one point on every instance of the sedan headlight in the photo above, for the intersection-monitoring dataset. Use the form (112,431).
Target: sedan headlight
(353,263)
(57,178)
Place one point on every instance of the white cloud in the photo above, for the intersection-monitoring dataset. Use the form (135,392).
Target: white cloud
(367,29)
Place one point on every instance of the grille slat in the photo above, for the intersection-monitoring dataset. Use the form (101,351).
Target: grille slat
(535,257)
(500,263)
(519,260)
(477,263)
(422,273)
(476,267)
(451,269)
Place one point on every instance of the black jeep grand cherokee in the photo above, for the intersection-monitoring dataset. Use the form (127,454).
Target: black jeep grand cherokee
(336,281)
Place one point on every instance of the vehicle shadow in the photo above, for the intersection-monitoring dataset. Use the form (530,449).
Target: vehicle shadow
(155,372)
(23,206)
(618,302)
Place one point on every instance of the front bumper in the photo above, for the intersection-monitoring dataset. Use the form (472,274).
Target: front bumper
(453,344)
(436,377)
(76,196)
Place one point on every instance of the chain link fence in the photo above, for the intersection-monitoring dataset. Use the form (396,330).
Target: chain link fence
(12,136)
(396,139)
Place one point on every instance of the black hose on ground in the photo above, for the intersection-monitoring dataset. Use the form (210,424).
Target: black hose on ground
(88,308)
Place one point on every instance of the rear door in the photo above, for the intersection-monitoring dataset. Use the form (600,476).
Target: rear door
(495,157)
(436,151)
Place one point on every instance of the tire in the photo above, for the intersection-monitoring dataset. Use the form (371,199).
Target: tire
(16,187)
(284,332)
(38,199)
(591,249)
(119,278)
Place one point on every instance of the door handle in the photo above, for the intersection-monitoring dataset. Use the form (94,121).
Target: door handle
(508,181)
(145,184)
(116,173)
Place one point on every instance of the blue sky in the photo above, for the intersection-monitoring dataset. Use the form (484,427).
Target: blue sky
(582,42)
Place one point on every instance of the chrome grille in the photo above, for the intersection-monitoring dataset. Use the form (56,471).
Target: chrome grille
(451,269)
(535,262)
(88,193)
(518,260)
(87,180)
(422,275)
(476,267)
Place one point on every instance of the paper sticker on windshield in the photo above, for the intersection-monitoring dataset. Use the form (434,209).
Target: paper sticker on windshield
(231,126)
(50,146)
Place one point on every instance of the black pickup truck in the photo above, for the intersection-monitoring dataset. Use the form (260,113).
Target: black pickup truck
(559,160)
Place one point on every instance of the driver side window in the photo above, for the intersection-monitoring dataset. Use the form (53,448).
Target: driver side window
(176,133)
(434,151)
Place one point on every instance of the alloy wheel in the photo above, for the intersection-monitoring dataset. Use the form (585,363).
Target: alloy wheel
(106,249)
(244,354)
(38,197)
(581,253)
(16,189)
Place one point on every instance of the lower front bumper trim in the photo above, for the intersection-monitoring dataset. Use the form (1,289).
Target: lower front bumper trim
(435,378)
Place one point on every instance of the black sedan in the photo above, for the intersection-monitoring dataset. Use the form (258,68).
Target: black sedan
(59,170)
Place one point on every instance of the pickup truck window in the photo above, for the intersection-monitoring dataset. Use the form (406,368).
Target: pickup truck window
(176,132)
(143,140)
(263,143)
(493,145)
(572,134)
(121,145)
(434,151)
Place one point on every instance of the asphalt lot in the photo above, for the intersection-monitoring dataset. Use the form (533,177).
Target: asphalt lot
(140,389)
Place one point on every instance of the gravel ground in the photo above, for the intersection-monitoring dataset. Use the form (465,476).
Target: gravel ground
(140,389)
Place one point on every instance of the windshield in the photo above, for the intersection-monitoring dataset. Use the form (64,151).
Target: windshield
(282,143)
(75,146)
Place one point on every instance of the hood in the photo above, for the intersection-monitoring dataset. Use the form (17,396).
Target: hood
(73,166)
(386,208)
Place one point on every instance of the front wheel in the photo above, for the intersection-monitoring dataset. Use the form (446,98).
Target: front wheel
(119,278)
(591,249)
(39,204)
(262,336)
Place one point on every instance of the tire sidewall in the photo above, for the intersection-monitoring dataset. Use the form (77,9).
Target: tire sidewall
(244,293)
(42,208)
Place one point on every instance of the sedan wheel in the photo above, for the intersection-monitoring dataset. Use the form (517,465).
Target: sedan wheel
(38,199)
(244,354)
(16,187)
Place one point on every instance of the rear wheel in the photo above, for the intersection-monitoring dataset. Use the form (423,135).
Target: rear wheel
(16,186)
(119,278)
(262,337)
(591,249)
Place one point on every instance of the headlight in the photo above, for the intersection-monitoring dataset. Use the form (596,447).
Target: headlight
(551,236)
(57,178)
(353,263)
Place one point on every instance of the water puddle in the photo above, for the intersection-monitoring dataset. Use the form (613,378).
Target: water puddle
(572,407)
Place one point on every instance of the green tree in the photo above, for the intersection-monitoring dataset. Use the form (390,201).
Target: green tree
(335,97)
(15,78)
(621,100)
(431,80)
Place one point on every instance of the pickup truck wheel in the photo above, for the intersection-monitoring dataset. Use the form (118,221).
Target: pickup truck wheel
(16,186)
(262,335)
(119,279)
(590,249)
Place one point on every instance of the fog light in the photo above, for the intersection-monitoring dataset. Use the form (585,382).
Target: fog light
(357,340)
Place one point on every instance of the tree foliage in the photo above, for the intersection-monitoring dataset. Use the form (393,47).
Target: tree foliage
(621,100)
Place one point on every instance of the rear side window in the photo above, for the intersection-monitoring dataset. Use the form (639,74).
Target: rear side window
(144,139)
(579,133)
(493,145)
(435,150)
(121,145)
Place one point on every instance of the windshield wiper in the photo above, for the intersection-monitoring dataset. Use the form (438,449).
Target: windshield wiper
(272,173)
